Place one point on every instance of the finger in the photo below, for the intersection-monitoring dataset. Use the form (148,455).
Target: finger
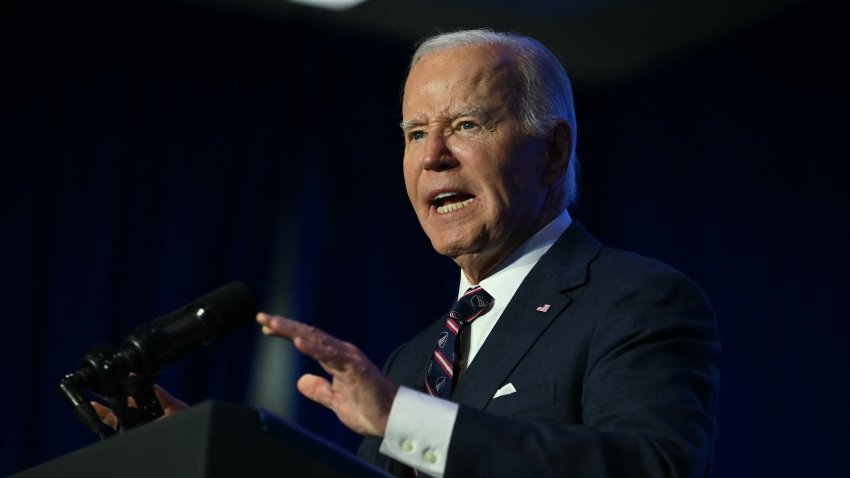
(316,388)
(283,327)
(313,341)
(105,414)
(288,328)
(169,403)
(330,352)
(263,319)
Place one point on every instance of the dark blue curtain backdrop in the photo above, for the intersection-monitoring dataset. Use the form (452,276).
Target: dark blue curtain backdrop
(152,153)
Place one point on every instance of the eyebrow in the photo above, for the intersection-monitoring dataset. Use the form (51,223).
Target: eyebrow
(474,111)
(408,124)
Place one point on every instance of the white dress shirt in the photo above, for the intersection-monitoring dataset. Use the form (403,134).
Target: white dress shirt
(421,442)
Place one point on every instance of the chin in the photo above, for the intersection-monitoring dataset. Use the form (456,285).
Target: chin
(445,247)
(444,250)
(453,246)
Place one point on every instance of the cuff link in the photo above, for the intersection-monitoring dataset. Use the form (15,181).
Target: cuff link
(430,455)
(407,446)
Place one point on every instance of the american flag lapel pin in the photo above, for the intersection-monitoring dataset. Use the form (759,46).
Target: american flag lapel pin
(543,308)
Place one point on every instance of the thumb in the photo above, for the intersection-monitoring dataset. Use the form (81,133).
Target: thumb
(170,404)
(105,414)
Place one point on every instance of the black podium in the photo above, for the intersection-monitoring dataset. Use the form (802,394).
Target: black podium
(211,440)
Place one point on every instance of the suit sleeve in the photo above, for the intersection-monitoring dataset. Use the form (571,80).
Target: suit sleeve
(648,396)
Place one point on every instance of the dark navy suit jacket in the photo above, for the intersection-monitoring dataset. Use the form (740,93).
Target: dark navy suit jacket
(619,378)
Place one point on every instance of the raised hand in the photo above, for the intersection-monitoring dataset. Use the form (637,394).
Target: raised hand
(357,391)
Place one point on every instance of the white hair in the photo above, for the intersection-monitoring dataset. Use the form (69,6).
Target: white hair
(545,93)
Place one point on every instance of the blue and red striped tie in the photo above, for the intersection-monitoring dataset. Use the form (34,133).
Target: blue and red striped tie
(441,370)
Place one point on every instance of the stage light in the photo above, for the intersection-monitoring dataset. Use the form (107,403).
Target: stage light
(337,5)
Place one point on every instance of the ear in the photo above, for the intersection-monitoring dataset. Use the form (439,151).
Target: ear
(559,150)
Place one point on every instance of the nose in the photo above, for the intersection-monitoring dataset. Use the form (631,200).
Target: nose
(438,156)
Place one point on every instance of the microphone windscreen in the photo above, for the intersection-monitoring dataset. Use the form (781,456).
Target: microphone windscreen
(230,307)
(201,322)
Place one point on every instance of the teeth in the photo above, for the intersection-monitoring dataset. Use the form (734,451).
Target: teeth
(453,206)
(443,195)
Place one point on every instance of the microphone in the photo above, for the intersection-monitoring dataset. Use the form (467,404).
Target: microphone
(152,346)
(118,372)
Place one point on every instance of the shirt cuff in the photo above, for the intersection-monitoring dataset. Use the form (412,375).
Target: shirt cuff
(419,429)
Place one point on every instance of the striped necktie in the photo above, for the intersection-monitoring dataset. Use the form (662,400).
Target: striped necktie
(441,369)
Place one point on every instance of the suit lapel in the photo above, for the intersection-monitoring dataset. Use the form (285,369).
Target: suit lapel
(561,269)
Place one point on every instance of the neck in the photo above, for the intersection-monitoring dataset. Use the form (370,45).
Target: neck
(480,265)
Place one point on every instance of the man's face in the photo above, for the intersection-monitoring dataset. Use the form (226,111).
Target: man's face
(475,179)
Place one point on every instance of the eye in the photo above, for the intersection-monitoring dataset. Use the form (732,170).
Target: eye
(416,135)
(467,125)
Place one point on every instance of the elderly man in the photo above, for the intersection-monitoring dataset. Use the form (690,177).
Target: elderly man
(563,357)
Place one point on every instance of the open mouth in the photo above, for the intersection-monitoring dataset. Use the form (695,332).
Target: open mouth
(451,201)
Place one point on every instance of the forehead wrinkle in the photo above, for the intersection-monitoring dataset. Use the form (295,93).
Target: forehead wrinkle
(495,77)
